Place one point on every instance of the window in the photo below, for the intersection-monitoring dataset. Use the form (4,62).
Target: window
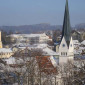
(64,53)
(61,53)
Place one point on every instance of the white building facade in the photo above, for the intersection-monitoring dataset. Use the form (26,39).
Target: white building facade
(30,38)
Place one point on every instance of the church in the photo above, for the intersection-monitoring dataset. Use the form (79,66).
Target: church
(66,48)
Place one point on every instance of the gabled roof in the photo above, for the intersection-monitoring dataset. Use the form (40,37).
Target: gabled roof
(45,65)
(66,32)
(75,31)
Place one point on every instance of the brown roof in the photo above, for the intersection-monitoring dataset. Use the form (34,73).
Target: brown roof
(45,65)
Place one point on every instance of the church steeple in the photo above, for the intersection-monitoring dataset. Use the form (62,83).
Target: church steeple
(66,32)
(66,48)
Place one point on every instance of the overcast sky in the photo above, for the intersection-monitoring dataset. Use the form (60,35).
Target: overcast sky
(26,12)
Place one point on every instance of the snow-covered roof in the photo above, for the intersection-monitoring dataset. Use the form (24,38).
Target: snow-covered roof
(43,47)
(32,46)
(54,61)
(83,42)
(13,60)
(10,60)
(28,35)
(5,50)
(81,48)
(50,52)
(80,57)
(77,52)
(76,42)
(78,32)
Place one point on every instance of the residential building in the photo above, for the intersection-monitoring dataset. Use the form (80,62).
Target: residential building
(5,52)
(30,38)
(76,35)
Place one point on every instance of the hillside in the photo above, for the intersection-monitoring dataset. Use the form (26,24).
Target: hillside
(82,25)
(30,28)
(36,28)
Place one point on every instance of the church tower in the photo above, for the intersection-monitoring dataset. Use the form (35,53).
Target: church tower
(66,48)
(0,40)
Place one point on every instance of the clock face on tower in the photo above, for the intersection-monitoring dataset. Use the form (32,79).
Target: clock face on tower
(71,45)
(63,45)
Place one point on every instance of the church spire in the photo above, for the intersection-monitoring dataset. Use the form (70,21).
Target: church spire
(66,32)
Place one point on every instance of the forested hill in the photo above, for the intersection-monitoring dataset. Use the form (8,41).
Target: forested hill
(30,28)
(36,28)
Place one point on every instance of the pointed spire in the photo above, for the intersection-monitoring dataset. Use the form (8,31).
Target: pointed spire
(66,32)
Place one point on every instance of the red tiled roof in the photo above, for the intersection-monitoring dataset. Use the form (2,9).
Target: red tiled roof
(45,65)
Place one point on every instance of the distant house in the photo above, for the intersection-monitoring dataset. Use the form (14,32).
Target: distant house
(5,52)
(83,43)
(76,44)
(83,36)
(76,35)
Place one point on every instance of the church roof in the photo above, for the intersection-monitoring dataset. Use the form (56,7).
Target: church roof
(66,32)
